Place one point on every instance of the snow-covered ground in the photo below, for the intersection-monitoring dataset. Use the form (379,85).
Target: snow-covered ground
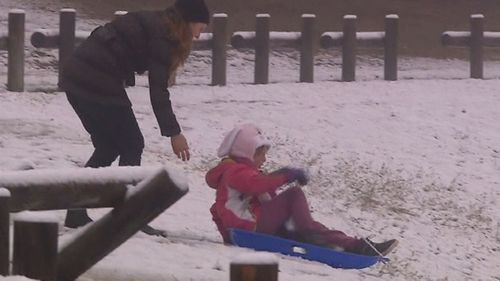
(416,159)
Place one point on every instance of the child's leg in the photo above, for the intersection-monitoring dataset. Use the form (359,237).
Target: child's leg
(292,204)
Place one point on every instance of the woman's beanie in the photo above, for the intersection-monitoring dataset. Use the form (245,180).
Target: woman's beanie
(242,141)
(193,10)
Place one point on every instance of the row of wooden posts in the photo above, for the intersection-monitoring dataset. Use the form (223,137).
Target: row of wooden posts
(36,253)
(262,41)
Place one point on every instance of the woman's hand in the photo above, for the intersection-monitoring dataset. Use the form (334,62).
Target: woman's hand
(180,146)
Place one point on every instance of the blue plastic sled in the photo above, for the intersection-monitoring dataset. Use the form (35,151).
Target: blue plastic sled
(337,259)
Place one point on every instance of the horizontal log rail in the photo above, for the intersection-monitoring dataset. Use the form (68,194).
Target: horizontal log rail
(49,38)
(37,190)
(278,39)
(367,39)
(462,39)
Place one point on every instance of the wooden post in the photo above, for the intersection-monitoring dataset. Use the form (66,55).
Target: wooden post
(145,202)
(476,46)
(15,76)
(4,40)
(349,49)
(307,48)
(4,231)
(262,49)
(219,50)
(254,267)
(35,249)
(391,47)
(67,22)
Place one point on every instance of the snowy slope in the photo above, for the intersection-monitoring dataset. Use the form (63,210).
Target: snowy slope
(416,159)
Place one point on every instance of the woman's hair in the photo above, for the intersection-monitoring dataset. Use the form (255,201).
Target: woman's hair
(180,32)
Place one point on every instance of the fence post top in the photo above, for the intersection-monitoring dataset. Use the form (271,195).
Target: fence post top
(255,259)
(4,192)
(308,15)
(220,15)
(68,10)
(392,16)
(263,16)
(351,17)
(16,11)
(477,16)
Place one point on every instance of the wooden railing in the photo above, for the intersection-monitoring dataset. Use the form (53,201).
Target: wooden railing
(262,40)
(133,208)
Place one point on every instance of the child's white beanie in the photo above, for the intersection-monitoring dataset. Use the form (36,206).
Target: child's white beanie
(242,141)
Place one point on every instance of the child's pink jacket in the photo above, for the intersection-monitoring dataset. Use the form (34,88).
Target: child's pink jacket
(240,190)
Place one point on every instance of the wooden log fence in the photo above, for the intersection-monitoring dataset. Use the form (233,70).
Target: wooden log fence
(475,39)
(263,40)
(4,231)
(13,42)
(350,40)
(66,38)
(134,207)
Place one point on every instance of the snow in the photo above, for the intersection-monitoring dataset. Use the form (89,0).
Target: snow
(68,10)
(416,159)
(16,278)
(259,258)
(120,13)
(58,176)
(220,15)
(4,192)
(177,178)
(457,33)
(370,35)
(490,34)
(27,216)
(16,11)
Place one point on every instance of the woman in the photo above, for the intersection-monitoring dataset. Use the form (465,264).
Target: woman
(95,76)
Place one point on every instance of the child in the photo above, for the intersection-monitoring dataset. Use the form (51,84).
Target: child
(95,75)
(247,199)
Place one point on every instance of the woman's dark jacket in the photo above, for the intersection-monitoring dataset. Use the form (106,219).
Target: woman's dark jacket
(103,64)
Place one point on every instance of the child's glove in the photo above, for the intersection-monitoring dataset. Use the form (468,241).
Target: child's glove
(294,174)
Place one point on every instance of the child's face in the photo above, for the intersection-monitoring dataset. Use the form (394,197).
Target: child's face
(260,156)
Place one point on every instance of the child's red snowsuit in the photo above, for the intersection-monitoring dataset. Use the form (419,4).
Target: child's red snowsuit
(246,199)
(240,187)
